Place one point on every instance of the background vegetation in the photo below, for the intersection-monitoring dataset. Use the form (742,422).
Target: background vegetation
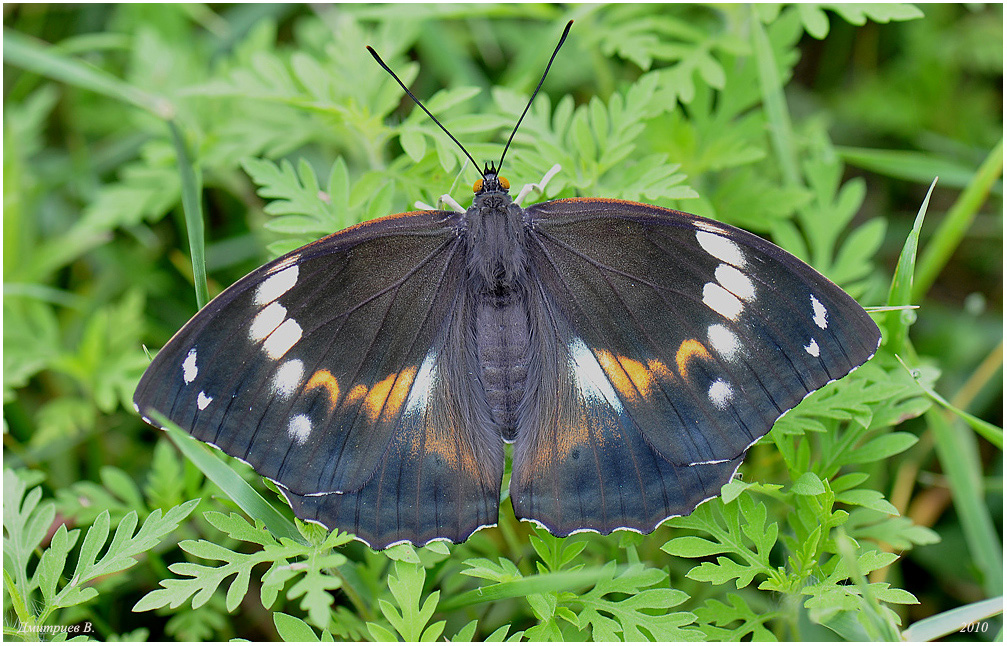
(869,510)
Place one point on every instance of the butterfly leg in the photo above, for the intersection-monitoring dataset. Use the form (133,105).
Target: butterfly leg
(442,201)
(540,186)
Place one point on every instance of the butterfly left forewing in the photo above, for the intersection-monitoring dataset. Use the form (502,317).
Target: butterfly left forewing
(320,370)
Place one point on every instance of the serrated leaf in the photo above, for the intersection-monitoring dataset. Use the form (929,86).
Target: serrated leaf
(409,616)
(629,619)
(715,616)
(199,582)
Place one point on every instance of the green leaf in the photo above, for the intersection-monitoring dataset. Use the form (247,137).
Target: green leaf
(410,615)
(715,619)
(732,527)
(536,585)
(867,498)
(305,566)
(292,629)
(808,484)
(633,618)
(120,554)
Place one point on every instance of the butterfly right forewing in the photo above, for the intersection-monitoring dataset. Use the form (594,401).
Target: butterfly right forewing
(681,339)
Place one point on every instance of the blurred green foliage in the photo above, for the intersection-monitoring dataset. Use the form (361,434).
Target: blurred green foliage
(866,510)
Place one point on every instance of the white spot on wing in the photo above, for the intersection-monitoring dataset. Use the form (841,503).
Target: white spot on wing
(266,321)
(721,301)
(276,285)
(820,313)
(735,282)
(721,393)
(812,348)
(189,369)
(724,341)
(203,400)
(591,379)
(423,385)
(282,339)
(288,378)
(299,428)
(721,248)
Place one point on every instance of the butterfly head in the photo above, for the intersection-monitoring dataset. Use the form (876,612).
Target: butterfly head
(490,182)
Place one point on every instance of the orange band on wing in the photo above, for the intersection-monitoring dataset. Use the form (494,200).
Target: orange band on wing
(631,378)
(324,379)
(376,397)
(397,398)
(690,348)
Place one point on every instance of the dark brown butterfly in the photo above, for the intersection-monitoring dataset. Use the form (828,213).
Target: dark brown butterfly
(631,353)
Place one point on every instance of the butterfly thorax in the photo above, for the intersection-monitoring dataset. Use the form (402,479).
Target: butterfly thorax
(498,266)
(496,241)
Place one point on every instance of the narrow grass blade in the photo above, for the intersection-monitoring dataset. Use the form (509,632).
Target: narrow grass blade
(233,485)
(952,621)
(31,54)
(991,432)
(958,453)
(900,292)
(912,166)
(535,584)
(959,218)
(192,205)
(775,103)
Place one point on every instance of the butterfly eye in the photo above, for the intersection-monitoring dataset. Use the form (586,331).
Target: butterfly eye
(478,186)
(504,184)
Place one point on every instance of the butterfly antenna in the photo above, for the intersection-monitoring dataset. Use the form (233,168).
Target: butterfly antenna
(417,102)
(539,87)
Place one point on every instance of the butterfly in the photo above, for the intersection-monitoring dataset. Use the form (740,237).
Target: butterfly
(630,353)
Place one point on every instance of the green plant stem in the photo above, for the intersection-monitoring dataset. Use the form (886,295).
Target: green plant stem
(953,227)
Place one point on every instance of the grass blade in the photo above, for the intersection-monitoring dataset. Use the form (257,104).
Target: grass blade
(535,584)
(233,485)
(911,165)
(775,103)
(959,218)
(192,205)
(952,621)
(959,457)
(31,54)
(900,292)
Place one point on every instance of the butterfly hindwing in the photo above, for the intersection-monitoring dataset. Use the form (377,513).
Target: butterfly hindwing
(580,460)
(323,370)
(684,338)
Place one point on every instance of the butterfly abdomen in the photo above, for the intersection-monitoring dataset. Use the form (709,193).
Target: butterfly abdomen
(503,345)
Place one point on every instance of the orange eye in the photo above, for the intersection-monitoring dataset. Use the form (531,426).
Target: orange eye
(504,184)
(478,186)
